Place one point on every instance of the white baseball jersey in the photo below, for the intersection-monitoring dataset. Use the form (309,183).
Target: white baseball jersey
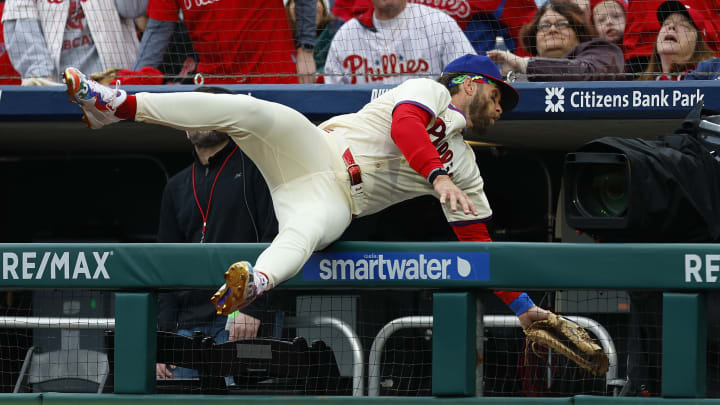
(420,41)
(387,175)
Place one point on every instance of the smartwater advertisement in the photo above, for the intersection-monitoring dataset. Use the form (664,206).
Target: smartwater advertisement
(396,266)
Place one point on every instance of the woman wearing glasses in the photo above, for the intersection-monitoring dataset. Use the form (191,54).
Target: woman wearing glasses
(564,48)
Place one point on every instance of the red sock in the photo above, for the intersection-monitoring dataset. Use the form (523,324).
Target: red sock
(127,109)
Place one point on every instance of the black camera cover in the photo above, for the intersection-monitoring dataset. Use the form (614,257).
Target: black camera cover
(674,182)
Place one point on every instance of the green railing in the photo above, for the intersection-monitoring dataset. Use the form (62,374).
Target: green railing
(137,271)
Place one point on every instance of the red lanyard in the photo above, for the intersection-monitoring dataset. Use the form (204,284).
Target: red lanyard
(197,201)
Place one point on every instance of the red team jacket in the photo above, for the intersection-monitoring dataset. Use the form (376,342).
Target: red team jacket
(236,37)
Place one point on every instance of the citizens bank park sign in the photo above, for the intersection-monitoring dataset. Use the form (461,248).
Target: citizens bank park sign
(559,99)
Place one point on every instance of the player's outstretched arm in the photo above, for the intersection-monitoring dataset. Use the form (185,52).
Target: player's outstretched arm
(448,192)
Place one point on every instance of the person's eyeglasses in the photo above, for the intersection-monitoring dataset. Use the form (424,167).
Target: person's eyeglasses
(560,25)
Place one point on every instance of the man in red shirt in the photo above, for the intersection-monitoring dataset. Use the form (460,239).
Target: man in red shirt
(237,41)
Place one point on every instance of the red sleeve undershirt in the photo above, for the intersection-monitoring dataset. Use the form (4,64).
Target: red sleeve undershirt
(477,232)
(408,131)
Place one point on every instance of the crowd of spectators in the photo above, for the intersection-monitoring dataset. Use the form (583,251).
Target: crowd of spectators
(355,41)
(563,47)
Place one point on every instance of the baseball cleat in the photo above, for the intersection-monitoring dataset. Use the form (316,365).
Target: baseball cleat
(97,102)
(238,291)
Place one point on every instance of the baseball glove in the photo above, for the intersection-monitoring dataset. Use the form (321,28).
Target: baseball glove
(570,339)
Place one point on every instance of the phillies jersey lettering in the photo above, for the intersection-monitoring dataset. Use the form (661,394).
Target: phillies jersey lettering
(458,9)
(438,131)
(77,42)
(387,175)
(75,16)
(418,42)
(189,3)
(386,67)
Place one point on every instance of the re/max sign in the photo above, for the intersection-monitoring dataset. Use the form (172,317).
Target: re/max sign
(55,265)
(702,269)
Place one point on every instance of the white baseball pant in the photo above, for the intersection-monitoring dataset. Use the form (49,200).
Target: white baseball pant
(301,163)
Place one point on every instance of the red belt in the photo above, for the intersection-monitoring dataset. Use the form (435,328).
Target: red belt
(352,168)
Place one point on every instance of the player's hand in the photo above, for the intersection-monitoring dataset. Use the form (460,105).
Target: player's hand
(509,60)
(106,78)
(306,68)
(39,81)
(242,326)
(449,192)
(162,370)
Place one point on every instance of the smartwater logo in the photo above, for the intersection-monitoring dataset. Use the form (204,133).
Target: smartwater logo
(398,266)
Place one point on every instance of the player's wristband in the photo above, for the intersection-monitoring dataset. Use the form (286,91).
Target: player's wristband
(234,314)
(521,304)
(436,172)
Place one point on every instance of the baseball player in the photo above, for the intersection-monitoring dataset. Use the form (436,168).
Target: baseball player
(404,144)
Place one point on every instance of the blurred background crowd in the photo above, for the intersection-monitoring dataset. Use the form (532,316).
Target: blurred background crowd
(354,41)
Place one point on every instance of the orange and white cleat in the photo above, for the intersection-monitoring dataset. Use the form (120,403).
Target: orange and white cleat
(97,102)
(238,291)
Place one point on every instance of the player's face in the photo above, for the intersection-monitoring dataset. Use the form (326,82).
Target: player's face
(485,108)
(206,139)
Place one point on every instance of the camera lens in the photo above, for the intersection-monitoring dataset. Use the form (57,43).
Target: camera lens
(602,191)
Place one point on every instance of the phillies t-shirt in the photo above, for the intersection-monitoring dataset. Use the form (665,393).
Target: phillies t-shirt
(236,37)
(78,46)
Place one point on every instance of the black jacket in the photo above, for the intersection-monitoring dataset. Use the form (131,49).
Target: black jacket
(241,211)
(674,189)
